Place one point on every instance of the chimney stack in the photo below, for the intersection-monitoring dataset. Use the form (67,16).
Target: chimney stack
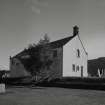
(75,30)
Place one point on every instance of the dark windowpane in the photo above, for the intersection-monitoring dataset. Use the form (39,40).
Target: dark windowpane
(78,53)
(73,67)
(81,67)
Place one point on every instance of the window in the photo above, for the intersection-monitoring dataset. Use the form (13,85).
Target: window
(82,68)
(73,67)
(55,53)
(77,68)
(78,53)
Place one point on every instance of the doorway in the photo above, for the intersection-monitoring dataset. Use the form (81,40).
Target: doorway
(81,71)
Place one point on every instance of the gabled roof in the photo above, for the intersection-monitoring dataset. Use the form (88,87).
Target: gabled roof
(54,44)
(28,61)
(25,58)
(61,42)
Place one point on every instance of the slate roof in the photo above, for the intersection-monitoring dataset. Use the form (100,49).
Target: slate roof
(61,42)
(53,45)
(25,58)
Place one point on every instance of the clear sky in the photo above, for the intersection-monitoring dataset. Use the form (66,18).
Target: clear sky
(24,21)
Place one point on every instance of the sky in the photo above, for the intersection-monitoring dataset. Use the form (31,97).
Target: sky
(23,22)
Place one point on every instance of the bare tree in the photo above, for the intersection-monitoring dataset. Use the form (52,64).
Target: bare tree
(45,40)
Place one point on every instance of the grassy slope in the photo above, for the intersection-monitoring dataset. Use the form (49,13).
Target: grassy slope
(51,96)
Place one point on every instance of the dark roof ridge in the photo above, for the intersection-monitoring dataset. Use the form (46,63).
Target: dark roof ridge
(53,44)
(60,42)
(62,39)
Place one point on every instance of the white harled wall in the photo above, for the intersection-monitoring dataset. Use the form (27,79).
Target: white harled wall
(70,57)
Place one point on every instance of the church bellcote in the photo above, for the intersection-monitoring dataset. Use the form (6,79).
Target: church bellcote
(75,30)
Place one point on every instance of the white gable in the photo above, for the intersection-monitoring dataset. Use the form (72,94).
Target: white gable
(72,63)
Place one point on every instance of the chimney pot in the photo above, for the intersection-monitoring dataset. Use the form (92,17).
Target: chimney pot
(75,30)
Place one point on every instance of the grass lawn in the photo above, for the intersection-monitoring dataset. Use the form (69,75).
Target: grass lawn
(51,96)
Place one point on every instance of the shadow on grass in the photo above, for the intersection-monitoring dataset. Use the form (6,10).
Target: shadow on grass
(67,82)
(75,86)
